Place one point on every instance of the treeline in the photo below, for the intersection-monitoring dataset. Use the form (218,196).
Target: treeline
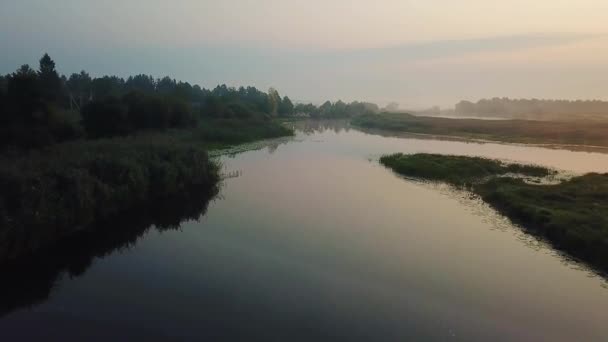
(92,168)
(41,107)
(338,109)
(532,108)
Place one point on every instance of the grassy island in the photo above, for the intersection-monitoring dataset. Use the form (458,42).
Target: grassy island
(457,170)
(579,132)
(571,215)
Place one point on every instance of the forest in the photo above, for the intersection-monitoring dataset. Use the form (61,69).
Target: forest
(41,107)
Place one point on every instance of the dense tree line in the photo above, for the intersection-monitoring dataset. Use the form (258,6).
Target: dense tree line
(338,109)
(41,107)
(533,108)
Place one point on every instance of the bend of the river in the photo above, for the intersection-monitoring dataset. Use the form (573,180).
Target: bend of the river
(311,239)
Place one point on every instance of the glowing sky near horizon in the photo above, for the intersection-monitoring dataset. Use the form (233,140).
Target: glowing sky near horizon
(416,52)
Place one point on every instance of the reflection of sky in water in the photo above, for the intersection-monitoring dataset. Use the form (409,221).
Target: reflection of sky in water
(311,239)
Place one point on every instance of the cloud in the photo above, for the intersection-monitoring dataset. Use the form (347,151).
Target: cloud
(453,48)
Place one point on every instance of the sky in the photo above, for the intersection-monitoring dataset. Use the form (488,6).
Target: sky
(418,53)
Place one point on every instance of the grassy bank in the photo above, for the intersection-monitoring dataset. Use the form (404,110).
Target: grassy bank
(226,132)
(51,193)
(572,215)
(457,170)
(582,132)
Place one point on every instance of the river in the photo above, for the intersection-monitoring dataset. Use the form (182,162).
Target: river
(311,239)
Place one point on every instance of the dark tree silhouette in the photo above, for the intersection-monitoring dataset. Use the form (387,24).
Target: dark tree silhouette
(50,82)
(286,108)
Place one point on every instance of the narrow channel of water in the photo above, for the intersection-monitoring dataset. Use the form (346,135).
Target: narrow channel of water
(312,239)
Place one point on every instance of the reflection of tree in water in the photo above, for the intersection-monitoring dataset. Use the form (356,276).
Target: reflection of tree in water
(29,282)
(272,145)
(319,126)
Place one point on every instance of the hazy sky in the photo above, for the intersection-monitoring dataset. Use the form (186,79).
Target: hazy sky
(415,52)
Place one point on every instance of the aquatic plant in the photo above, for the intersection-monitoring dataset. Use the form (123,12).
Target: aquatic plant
(571,215)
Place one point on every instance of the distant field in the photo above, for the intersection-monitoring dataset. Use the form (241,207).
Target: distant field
(584,132)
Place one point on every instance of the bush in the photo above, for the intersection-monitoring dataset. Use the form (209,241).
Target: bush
(65,189)
(572,215)
(106,118)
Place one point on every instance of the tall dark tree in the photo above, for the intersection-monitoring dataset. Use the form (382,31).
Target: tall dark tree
(286,107)
(165,85)
(3,84)
(24,92)
(50,82)
(212,107)
(183,91)
(339,109)
(79,89)
(108,86)
(141,83)
(325,109)
(106,118)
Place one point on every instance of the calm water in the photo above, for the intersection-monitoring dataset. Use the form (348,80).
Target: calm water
(311,239)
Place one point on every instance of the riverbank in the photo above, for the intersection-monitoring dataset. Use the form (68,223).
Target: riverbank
(582,132)
(55,192)
(571,215)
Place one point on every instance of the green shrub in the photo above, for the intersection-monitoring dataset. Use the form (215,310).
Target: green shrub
(572,215)
(53,193)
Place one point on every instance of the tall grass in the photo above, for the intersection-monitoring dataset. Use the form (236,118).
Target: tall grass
(232,131)
(52,193)
(457,170)
(572,215)
(581,132)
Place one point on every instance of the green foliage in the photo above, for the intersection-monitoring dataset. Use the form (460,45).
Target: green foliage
(457,170)
(33,104)
(106,118)
(79,88)
(147,111)
(134,112)
(50,82)
(286,108)
(572,215)
(217,107)
(231,131)
(336,110)
(53,193)
(308,109)
(57,190)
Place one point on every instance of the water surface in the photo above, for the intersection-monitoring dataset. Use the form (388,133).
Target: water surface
(311,239)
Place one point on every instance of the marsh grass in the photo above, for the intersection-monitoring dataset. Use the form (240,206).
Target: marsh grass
(54,192)
(580,132)
(456,170)
(571,215)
